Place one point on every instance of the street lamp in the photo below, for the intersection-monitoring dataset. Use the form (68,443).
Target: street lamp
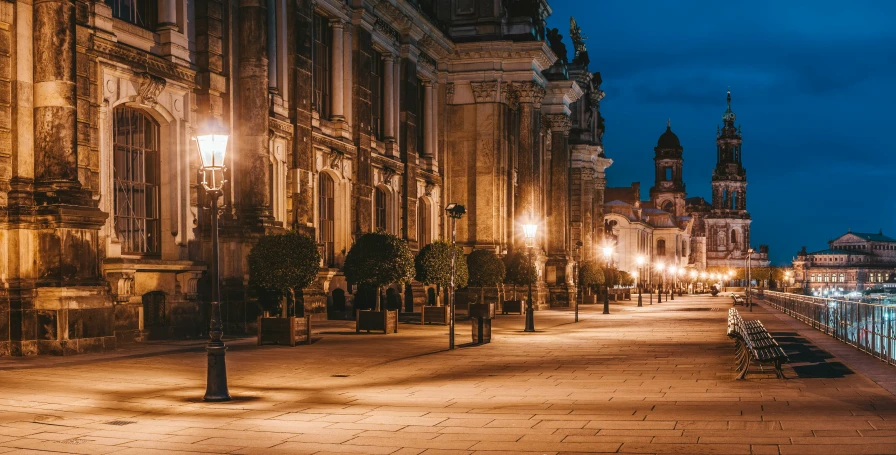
(608,253)
(212,144)
(749,278)
(575,277)
(659,293)
(455,211)
(693,279)
(672,271)
(529,230)
(640,261)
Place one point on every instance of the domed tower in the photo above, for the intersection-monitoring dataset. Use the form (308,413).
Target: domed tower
(728,225)
(668,192)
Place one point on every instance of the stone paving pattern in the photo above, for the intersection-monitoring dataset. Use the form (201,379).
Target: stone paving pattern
(646,380)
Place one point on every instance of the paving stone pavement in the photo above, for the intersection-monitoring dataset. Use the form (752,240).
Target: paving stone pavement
(648,380)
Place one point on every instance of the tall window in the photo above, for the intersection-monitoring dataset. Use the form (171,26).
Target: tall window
(322,37)
(733,236)
(421,94)
(380,209)
(144,13)
(660,248)
(422,223)
(136,181)
(326,222)
(668,171)
(376,95)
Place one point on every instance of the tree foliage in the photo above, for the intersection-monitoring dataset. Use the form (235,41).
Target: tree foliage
(433,265)
(283,263)
(486,268)
(518,269)
(591,275)
(611,276)
(625,278)
(379,259)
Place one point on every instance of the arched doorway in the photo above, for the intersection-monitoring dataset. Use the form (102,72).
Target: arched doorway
(327,218)
(338,300)
(155,316)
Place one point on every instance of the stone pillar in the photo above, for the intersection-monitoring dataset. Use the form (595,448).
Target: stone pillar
(167,15)
(337,74)
(271,37)
(55,116)
(389,96)
(530,97)
(558,226)
(252,154)
(426,121)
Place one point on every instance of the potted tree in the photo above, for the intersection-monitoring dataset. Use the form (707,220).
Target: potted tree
(378,260)
(433,267)
(486,270)
(591,276)
(518,272)
(279,265)
(611,279)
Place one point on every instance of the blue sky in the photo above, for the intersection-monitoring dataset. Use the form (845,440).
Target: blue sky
(812,84)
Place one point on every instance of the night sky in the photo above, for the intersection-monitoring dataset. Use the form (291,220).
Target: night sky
(812,84)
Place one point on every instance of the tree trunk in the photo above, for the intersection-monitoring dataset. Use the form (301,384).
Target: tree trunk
(284,308)
(292,294)
(379,298)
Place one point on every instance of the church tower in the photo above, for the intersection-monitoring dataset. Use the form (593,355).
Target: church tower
(668,192)
(728,223)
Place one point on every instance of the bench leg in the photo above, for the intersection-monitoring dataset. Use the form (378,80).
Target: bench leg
(778,370)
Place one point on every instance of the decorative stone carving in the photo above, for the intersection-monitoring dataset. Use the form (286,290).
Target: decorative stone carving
(485,92)
(512,97)
(530,92)
(336,160)
(558,123)
(449,92)
(189,284)
(388,173)
(383,27)
(121,285)
(428,189)
(427,61)
(149,89)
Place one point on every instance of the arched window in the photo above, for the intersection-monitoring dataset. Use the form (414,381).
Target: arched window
(327,217)
(136,164)
(668,207)
(733,236)
(661,247)
(684,248)
(380,209)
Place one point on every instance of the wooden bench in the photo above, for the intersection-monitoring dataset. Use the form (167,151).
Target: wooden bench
(754,344)
(738,300)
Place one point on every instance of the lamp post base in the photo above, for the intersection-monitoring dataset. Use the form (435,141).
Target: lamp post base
(607,302)
(216,382)
(639,298)
(530,318)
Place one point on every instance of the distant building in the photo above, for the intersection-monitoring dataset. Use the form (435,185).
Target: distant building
(686,232)
(854,261)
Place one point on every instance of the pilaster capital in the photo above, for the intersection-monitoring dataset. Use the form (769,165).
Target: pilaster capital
(557,123)
(337,23)
(530,92)
(485,91)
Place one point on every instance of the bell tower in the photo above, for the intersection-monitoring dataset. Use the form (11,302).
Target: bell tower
(729,178)
(668,192)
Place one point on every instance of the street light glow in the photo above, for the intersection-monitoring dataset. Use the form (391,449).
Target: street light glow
(529,230)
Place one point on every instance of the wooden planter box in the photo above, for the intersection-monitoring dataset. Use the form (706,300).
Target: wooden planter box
(284,331)
(482,310)
(512,306)
(434,315)
(368,320)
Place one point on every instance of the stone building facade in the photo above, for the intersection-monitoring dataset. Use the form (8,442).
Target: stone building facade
(346,116)
(854,261)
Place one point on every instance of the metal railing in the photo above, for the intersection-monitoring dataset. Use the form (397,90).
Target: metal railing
(869,327)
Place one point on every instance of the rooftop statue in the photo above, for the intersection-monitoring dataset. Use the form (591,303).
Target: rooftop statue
(578,41)
(555,40)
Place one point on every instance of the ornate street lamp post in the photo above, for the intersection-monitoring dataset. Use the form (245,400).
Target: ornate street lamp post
(608,254)
(455,212)
(212,144)
(672,271)
(640,261)
(749,278)
(529,231)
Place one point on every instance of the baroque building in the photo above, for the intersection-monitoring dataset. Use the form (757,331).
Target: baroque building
(673,229)
(346,117)
(854,261)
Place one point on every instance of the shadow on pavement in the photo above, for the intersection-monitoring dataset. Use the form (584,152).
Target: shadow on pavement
(807,360)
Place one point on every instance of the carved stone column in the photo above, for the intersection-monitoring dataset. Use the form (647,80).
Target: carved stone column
(389,96)
(425,121)
(253,178)
(337,74)
(558,193)
(530,95)
(55,116)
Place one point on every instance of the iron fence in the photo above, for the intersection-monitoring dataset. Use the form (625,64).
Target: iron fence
(869,327)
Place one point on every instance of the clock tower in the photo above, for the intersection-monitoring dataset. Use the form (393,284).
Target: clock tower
(668,192)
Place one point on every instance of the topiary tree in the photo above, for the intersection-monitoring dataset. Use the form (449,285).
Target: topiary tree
(378,259)
(591,275)
(486,269)
(518,271)
(625,278)
(433,266)
(282,263)
(611,276)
